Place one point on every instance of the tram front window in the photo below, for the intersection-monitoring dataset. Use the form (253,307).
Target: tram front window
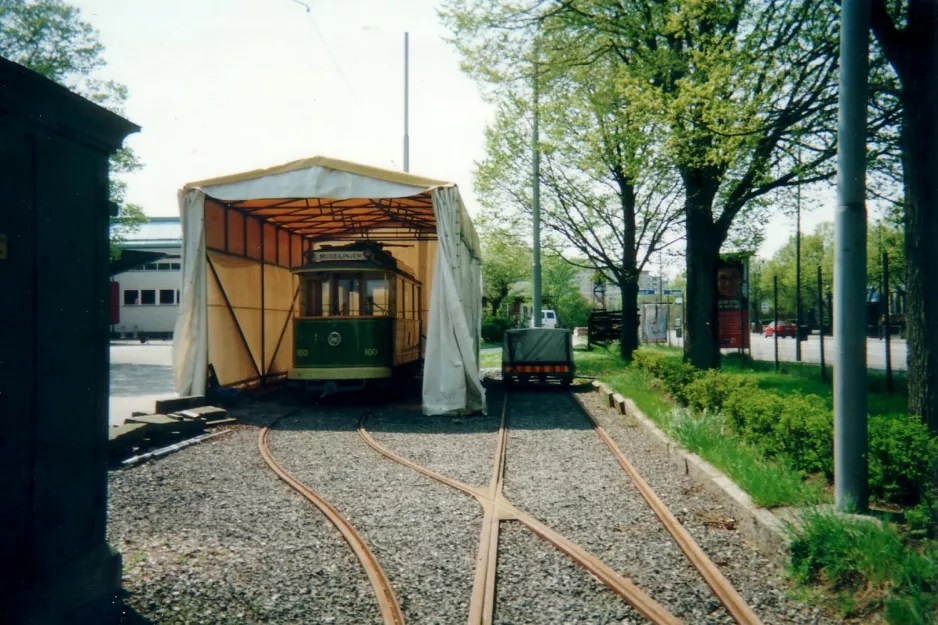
(377,297)
(348,296)
(315,294)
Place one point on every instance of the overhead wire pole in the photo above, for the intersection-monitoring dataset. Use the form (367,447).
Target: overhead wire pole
(850,382)
(536,204)
(799,319)
(406,101)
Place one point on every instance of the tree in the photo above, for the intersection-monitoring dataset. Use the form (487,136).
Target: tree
(604,193)
(505,262)
(740,88)
(50,38)
(817,249)
(560,291)
(908,34)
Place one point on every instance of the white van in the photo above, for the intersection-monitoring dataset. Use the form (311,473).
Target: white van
(548,319)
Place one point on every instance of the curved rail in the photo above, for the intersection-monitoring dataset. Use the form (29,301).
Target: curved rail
(731,600)
(387,602)
(496,508)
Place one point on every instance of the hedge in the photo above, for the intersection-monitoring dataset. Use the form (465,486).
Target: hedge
(799,428)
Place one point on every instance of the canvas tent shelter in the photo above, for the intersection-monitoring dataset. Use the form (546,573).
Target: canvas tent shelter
(242,235)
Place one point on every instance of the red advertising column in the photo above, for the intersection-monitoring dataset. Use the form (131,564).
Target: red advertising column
(732,304)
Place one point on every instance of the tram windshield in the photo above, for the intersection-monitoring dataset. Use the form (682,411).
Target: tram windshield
(346,294)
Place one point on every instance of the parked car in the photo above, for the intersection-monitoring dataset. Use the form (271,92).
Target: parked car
(785,329)
(548,319)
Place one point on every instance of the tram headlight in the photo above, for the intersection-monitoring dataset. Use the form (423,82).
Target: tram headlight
(334,339)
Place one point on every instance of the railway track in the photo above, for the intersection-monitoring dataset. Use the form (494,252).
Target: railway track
(497,508)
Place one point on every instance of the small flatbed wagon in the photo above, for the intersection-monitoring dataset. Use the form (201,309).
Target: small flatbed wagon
(543,355)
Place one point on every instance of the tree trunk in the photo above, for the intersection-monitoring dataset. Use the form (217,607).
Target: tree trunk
(920,164)
(701,346)
(628,276)
(628,335)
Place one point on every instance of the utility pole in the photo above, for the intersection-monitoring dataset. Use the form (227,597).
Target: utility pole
(536,201)
(406,101)
(850,381)
(798,318)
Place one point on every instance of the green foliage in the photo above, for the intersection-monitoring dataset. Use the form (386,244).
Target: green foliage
(770,483)
(671,372)
(559,289)
(710,390)
(506,260)
(51,38)
(870,564)
(493,329)
(902,456)
(805,434)
(754,415)
(816,249)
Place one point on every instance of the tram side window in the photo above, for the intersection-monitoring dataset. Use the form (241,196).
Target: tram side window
(377,300)
(415,303)
(402,299)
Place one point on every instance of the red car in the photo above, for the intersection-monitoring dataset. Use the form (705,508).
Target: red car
(785,329)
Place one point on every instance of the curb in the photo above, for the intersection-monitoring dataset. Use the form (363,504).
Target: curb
(764,531)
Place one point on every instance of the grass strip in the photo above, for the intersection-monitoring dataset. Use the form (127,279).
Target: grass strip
(867,567)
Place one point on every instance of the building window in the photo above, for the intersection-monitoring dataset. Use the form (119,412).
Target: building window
(131,298)
(148,297)
(167,296)
(177,296)
(150,267)
(176,266)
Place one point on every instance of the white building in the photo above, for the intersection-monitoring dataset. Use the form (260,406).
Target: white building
(149,294)
(613,296)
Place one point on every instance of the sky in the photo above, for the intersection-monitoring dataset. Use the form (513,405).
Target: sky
(224,86)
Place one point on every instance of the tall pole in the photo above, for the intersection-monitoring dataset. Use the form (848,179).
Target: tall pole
(536,201)
(406,101)
(820,308)
(798,317)
(850,427)
(775,325)
(885,294)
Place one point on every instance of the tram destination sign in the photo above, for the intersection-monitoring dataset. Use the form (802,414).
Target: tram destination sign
(326,256)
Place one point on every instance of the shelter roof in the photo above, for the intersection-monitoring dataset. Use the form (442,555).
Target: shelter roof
(321,198)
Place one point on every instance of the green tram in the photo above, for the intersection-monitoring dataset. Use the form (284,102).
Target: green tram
(357,320)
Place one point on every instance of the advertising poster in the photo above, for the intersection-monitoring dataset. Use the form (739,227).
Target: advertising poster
(732,286)
(655,323)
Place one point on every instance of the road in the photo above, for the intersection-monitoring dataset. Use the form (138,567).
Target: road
(140,374)
(764,349)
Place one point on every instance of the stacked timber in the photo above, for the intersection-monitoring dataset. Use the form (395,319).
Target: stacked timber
(172,420)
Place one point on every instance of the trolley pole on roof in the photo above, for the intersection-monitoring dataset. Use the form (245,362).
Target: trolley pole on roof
(536,206)
(406,102)
(850,427)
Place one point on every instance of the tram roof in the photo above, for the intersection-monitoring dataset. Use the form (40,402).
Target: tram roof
(323,198)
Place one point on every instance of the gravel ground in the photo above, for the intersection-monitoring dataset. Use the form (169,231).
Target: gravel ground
(758,580)
(538,584)
(461,448)
(424,534)
(210,535)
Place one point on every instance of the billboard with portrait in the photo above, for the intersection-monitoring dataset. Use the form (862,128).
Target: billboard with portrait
(732,290)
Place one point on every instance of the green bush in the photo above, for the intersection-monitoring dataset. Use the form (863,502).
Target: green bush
(753,413)
(493,329)
(710,390)
(805,434)
(649,360)
(901,457)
